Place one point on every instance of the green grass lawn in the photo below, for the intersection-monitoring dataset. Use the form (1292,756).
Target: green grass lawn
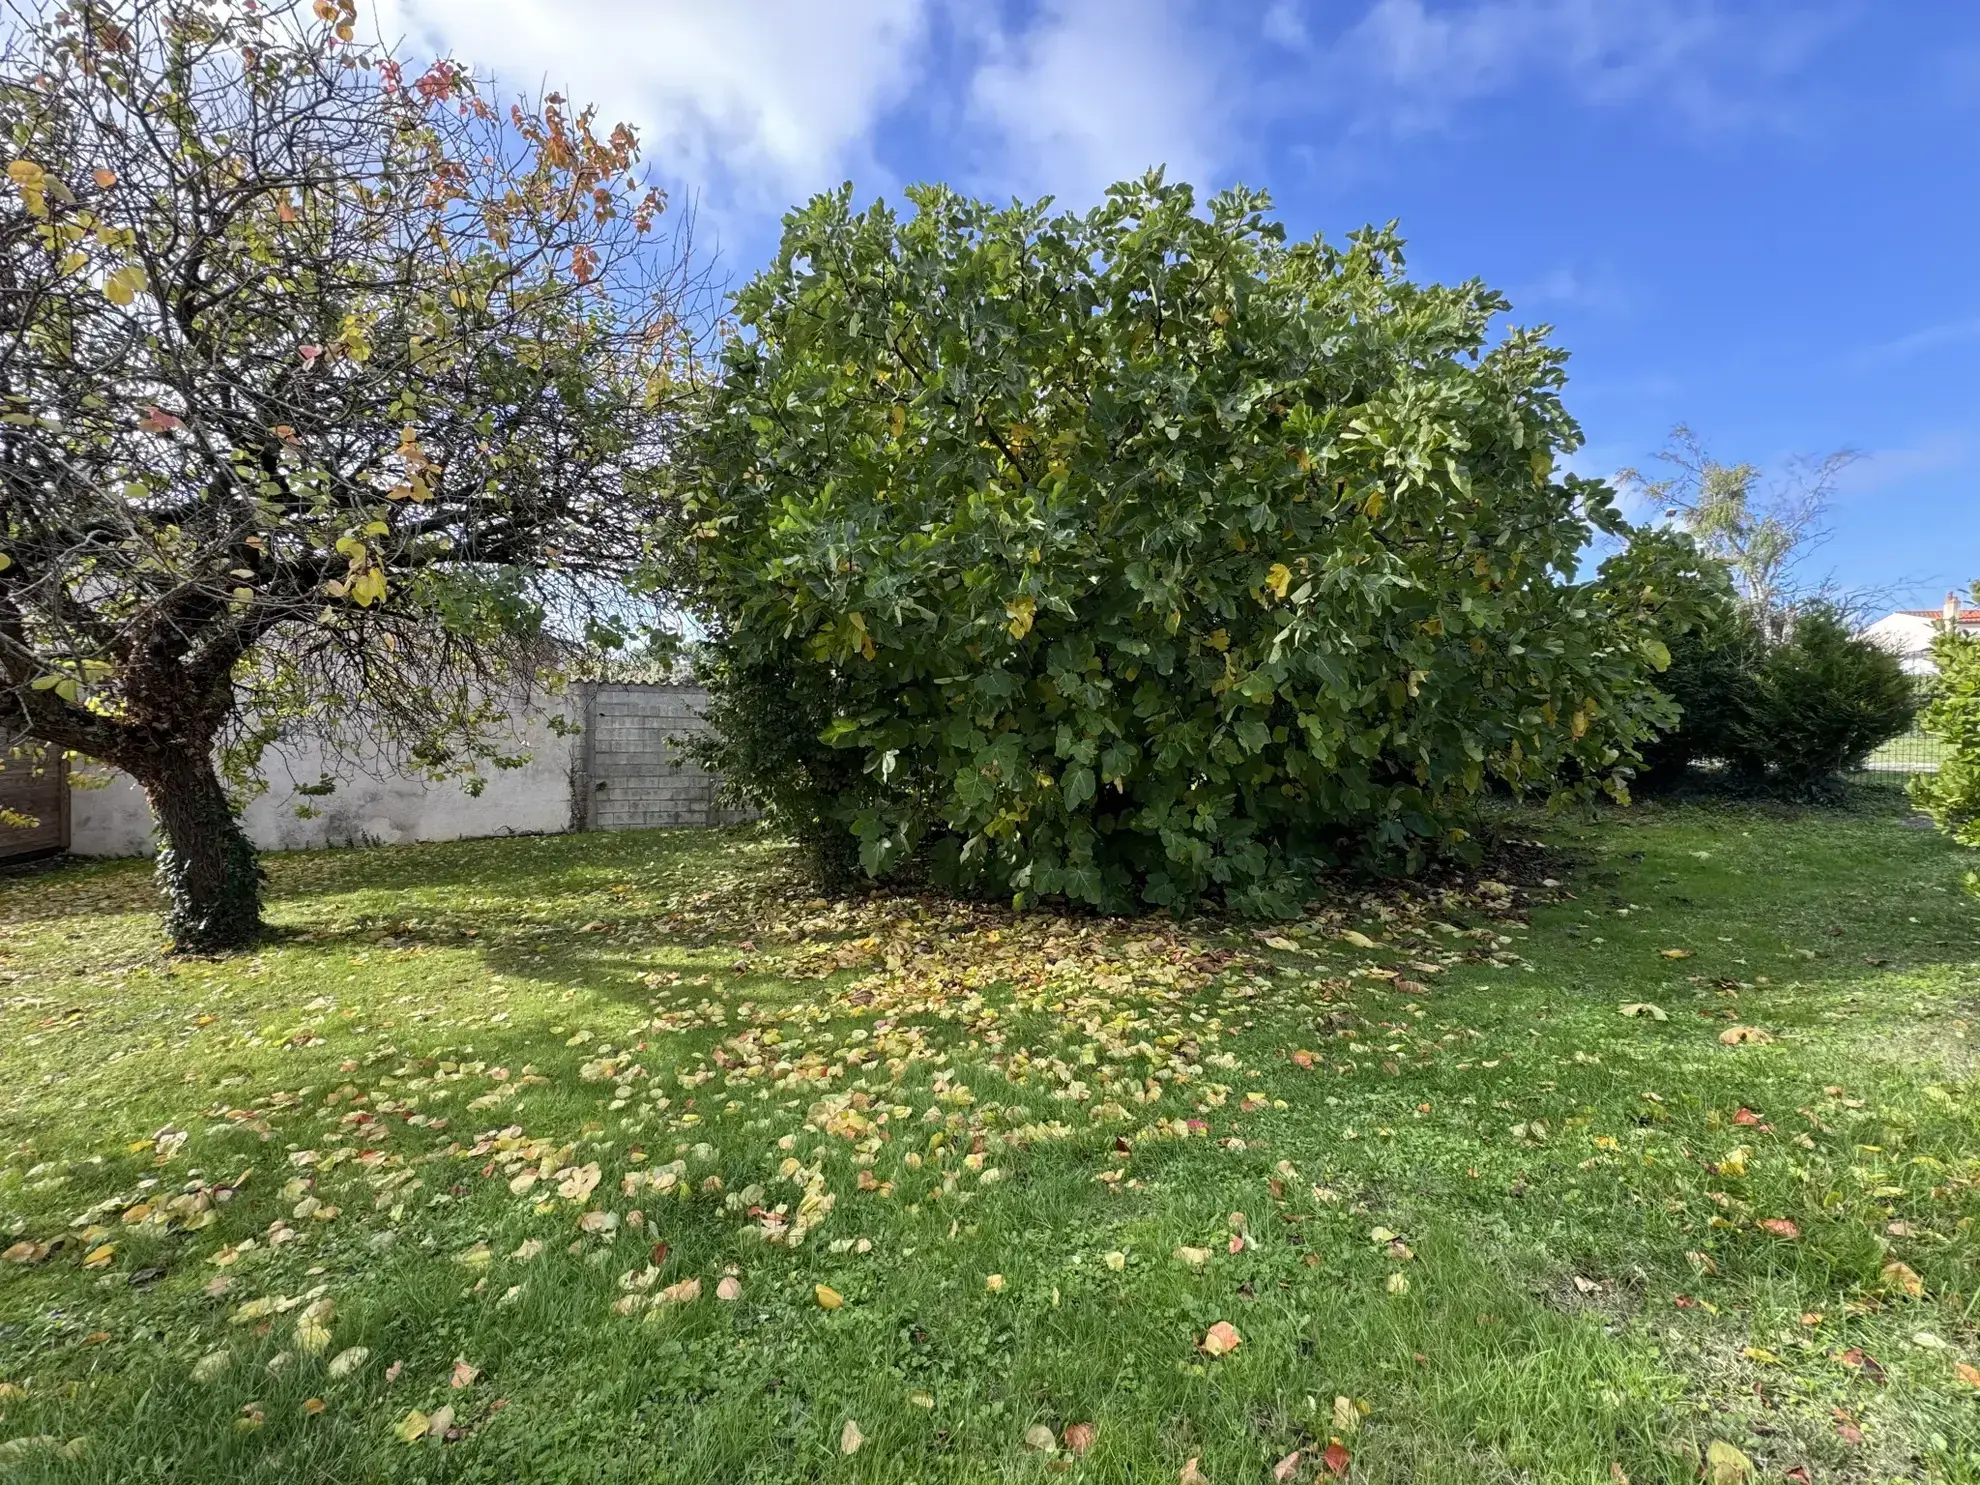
(525,1160)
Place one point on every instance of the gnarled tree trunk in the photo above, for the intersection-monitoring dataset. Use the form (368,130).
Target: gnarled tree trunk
(206,865)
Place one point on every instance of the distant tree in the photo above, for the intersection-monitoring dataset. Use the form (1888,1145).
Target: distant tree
(1761,528)
(326,392)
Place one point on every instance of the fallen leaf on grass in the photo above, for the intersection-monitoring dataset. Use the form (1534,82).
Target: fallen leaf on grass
(1744,1036)
(1040,1437)
(1675,953)
(1220,1339)
(1858,1359)
(994,1283)
(1968,1374)
(1116,1261)
(1079,1437)
(729,1290)
(1398,1284)
(1358,939)
(100,1257)
(1725,1465)
(1287,1467)
(1347,1415)
(1191,1475)
(850,1438)
(464,1373)
(527,1250)
(1904,1277)
(1194,1257)
(1847,1431)
(1780,1227)
(1334,1459)
(348,1361)
(828,1297)
(312,1406)
(412,1427)
(1644,1008)
(313,1327)
(211,1365)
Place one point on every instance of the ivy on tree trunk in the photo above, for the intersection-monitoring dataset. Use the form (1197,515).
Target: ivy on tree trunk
(207,869)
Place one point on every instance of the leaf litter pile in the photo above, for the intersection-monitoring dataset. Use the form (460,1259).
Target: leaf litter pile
(628,1157)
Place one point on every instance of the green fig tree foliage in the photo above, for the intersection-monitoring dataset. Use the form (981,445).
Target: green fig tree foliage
(1952,716)
(1142,557)
(328,389)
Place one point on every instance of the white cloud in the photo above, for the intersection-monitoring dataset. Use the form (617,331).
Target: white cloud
(1285,25)
(753,104)
(1433,61)
(1918,342)
(1568,288)
(1884,469)
(763,101)
(1096,91)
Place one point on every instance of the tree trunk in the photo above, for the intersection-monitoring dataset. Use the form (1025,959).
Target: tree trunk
(206,865)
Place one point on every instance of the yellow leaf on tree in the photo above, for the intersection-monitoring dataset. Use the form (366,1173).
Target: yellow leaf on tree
(1022,612)
(1278,578)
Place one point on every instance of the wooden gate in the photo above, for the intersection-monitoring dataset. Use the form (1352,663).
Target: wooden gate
(34,804)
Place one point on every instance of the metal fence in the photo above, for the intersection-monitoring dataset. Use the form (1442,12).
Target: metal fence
(1914,752)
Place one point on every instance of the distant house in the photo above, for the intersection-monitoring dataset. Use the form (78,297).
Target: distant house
(1908,633)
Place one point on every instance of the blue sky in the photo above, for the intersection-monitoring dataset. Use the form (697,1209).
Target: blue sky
(1755,218)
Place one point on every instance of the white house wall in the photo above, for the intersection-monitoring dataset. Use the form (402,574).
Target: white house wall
(1907,636)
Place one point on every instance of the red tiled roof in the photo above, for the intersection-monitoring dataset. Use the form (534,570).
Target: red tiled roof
(1966,615)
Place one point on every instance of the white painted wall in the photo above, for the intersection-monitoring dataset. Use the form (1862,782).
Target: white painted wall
(368,807)
(1907,636)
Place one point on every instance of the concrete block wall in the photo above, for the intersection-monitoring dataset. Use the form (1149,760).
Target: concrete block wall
(633,771)
(622,770)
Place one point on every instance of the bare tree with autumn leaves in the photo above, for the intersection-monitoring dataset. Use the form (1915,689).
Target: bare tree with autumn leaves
(329,392)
